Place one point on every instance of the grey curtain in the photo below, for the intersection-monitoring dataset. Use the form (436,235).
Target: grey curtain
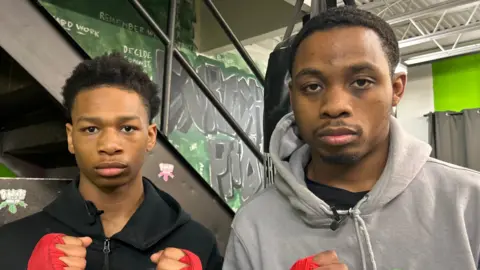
(455,137)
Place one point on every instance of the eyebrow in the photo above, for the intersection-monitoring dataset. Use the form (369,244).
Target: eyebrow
(365,66)
(353,69)
(309,72)
(120,119)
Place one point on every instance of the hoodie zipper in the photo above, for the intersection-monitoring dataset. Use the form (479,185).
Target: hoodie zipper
(106,252)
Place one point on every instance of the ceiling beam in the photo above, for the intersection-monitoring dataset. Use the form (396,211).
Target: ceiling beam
(429,57)
(437,35)
(453,5)
(433,9)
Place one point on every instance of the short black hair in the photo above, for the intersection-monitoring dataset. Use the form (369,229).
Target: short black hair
(111,70)
(350,16)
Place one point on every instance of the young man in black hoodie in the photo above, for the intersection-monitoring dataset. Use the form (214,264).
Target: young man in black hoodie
(125,217)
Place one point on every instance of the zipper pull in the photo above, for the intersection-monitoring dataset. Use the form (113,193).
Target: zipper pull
(106,252)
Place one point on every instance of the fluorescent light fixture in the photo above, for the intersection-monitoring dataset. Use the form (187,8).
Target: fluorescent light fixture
(305,2)
(442,54)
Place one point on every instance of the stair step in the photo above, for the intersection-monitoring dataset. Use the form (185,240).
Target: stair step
(29,139)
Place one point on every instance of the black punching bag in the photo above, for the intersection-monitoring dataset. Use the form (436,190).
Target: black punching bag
(276,97)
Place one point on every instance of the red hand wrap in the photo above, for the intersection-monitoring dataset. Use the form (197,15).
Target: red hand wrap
(45,255)
(305,264)
(191,259)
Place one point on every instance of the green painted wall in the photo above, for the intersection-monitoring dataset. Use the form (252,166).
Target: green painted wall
(6,172)
(456,83)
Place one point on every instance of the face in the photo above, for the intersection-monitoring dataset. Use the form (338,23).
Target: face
(109,135)
(342,93)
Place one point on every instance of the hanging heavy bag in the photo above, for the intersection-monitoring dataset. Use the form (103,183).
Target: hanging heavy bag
(276,97)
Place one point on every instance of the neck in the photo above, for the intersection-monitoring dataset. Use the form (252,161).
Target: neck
(119,204)
(358,177)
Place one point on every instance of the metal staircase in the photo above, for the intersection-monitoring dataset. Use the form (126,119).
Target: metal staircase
(33,138)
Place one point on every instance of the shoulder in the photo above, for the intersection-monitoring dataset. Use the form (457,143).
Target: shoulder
(453,189)
(445,173)
(194,229)
(267,203)
(21,225)
(196,237)
(202,242)
(30,229)
(451,182)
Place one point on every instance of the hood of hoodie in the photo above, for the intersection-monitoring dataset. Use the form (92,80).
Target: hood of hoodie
(156,217)
(290,156)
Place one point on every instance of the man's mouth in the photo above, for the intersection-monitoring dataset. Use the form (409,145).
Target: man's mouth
(337,136)
(110,169)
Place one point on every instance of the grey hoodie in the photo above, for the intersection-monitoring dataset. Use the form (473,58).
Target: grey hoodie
(421,214)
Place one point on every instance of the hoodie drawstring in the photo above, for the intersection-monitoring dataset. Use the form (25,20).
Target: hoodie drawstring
(359,228)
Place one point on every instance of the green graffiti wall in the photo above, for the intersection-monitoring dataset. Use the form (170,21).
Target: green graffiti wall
(456,83)
(99,29)
(206,140)
(197,130)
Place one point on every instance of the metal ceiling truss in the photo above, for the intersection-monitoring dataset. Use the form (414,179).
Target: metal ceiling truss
(428,30)
(414,26)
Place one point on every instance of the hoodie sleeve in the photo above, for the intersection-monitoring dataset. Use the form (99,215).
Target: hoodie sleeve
(236,256)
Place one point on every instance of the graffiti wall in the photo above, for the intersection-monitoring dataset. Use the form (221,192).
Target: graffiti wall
(196,129)
(206,140)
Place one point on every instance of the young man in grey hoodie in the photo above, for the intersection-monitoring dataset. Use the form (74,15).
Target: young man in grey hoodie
(349,178)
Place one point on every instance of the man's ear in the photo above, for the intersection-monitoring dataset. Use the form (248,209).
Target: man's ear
(69,129)
(399,82)
(152,137)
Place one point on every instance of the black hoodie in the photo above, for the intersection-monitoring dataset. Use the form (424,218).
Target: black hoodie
(158,223)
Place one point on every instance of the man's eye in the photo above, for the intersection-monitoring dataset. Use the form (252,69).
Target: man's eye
(362,83)
(128,129)
(91,129)
(314,87)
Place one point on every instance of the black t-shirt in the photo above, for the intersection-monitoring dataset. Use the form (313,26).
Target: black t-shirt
(340,198)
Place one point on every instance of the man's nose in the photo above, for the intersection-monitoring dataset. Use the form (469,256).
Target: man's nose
(336,103)
(109,142)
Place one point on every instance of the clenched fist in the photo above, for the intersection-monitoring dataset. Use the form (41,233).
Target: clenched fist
(327,260)
(176,259)
(60,252)
(75,252)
